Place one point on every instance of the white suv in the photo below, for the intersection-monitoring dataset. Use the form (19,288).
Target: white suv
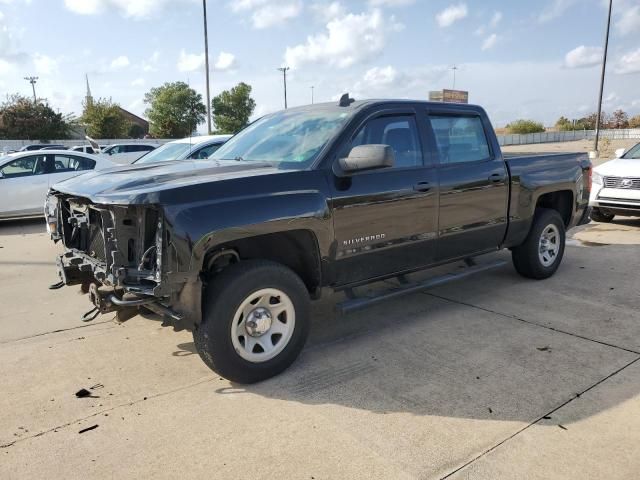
(616,186)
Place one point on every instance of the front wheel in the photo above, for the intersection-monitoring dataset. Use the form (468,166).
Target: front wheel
(255,321)
(541,253)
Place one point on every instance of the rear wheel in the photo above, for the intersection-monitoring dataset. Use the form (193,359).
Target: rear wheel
(541,253)
(255,321)
(601,216)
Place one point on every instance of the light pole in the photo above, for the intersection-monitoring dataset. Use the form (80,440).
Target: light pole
(454,68)
(32,81)
(284,76)
(604,68)
(312,87)
(206,65)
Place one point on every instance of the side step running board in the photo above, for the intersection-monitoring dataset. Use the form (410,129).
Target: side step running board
(356,303)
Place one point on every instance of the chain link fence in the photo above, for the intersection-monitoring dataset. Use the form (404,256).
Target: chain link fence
(569,136)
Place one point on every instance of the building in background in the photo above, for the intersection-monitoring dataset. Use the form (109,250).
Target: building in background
(449,96)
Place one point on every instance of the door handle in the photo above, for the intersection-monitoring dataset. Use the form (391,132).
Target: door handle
(496,178)
(422,187)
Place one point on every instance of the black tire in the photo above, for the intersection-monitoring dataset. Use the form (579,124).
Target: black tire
(526,258)
(224,296)
(601,216)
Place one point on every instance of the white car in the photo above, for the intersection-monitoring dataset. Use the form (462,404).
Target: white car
(616,186)
(25,178)
(82,148)
(191,147)
(124,153)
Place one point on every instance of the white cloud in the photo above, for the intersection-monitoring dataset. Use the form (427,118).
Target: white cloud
(629,63)
(555,9)
(268,13)
(391,3)
(583,56)
(225,61)
(452,14)
(380,76)
(629,21)
(119,62)
(495,20)
(328,11)
(351,39)
(44,64)
(150,65)
(189,62)
(138,82)
(489,42)
(129,8)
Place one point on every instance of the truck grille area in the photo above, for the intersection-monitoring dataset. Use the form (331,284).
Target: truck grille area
(120,245)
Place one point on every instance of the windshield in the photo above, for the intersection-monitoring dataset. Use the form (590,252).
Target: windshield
(292,138)
(633,153)
(168,151)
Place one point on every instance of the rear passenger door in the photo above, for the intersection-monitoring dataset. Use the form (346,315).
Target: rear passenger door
(473,184)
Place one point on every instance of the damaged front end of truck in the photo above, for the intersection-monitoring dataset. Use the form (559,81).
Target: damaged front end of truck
(121,256)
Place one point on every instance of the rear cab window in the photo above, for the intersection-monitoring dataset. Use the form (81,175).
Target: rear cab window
(460,138)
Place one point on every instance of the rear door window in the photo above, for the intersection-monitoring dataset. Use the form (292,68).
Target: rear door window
(460,138)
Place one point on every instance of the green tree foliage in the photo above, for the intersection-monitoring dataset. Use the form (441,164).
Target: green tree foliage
(175,110)
(564,124)
(232,108)
(135,131)
(634,122)
(22,119)
(525,126)
(103,119)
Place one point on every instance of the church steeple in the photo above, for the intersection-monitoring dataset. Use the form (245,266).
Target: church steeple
(88,98)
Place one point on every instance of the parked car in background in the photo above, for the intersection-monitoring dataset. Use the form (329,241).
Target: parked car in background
(616,186)
(40,146)
(124,153)
(54,147)
(25,177)
(83,149)
(190,147)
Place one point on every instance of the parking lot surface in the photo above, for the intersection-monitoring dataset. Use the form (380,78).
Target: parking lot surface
(491,377)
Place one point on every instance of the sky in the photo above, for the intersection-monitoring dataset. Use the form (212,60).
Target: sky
(519,59)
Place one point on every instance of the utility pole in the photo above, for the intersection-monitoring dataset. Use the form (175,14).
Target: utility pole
(284,76)
(32,81)
(206,65)
(454,68)
(312,87)
(604,68)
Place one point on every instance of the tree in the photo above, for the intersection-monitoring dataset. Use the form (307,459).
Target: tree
(103,119)
(232,108)
(634,122)
(619,119)
(23,119)
(525,126)
(175,110)
(135,131)
(564,124)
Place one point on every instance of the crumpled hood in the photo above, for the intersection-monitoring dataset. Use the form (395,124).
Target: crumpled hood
(136,184)
(620,167)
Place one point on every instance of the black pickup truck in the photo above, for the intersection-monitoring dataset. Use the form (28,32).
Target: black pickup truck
(329,195)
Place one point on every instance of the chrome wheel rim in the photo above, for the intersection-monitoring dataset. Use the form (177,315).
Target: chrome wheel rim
(263,325)
(549,245)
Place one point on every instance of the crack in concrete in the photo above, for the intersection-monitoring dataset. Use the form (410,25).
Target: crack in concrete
(530,322)
(6,342)
(106,410)
(542,417)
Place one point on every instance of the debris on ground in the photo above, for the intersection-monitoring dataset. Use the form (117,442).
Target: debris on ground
(547,417)
(84,393)
(544,349)
(563,427)
(92,427)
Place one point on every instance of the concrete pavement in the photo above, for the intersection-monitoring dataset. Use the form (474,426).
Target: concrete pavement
(492,377)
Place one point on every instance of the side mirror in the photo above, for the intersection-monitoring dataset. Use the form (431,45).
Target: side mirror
(368,157)
(620,152)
